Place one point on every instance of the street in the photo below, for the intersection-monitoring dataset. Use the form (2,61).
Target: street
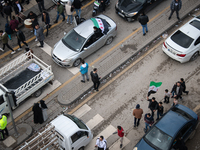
(118,96)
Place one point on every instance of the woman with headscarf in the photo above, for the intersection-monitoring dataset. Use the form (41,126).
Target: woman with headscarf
(37,114)
(44,110)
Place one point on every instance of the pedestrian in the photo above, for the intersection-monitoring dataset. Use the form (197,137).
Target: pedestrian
(175,6)
(153,105)
(46,20)
(166,96)
(84,71)
(77,6)
(21,38)
(31,15)
(37,114)
(4,39)
(40,35)
(175,102)
(3,124)
(101,143)
(160,110)
(8,30)
(183,86)
(69,11)
(148,121)
(1,10)
(137,113)
(143,19)
(18,8)
(95,79)
(177,90)
(7,10)
(60,11)
(14,23)
(120,132)
(102,5)
(44,110)
(40,5)
(34,23)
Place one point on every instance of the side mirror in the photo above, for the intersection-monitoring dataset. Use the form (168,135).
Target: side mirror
(85,49)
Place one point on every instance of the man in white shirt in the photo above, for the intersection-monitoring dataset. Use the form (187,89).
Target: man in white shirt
(18,8)
(101,143)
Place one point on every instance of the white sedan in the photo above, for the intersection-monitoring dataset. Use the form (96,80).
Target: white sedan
(184,44)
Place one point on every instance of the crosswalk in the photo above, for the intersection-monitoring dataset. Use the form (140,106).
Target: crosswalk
(93,122)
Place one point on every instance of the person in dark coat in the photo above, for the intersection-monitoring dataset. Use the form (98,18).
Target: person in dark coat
(95,79)
(18,8)
(183,86)
(37,114)
(1,10)
(103,5)
(143,19)
(40,5)
(34,23)
(160,110)
(4,39)
(40,35)
(148,121)
(97,33)
(20,38)
(60,11)
(44,109)
(137,113)
(7,10)
(8,30)
(175,6)
(77,6)
(153,105)
(46,20)
(14,23)
(31,15)
(177,90)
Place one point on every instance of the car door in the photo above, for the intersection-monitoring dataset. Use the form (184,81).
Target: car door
(101,41)
(79,139)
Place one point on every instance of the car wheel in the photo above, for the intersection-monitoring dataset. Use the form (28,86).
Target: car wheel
(38,93)
(109,40)
(194,56)
(77,62)
(82,148)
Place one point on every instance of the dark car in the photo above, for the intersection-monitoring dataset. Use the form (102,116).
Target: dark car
(178,122)
(130,9)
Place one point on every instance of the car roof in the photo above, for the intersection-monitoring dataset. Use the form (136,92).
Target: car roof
(65,126)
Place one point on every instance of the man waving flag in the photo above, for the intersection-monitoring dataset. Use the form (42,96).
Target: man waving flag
(153,87)
(101,23)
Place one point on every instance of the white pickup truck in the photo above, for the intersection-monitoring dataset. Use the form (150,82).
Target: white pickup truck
(24,77)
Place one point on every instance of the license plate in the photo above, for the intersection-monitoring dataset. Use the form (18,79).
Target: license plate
(120,14)
(172,51)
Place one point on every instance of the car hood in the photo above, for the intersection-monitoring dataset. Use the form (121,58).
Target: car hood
(142,145)
(129,6)
(62,51)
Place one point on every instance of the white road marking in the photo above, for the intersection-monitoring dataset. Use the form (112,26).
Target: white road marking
(82,111)
(94,121)
(46,48)
(116,145)
(74,70)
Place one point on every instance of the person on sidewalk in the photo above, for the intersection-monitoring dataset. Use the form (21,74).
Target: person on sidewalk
(46,20)
(34,23)
(60,11)
(37,114)
(175,6)
(153,105)
(77,6)
(177,91)
(95,79)
(143,19)
(160,110)
(137,113)
(4,39)
(31,15)
(84,70)
(166,96)
(14,23)
(21,38)
(68,9)
(40,35)
(3,124)
(120,132)
(18,8)
(8,30)
(148,121)
(40,5)
(44,110)
(183,86)
(7,10)
(101,143)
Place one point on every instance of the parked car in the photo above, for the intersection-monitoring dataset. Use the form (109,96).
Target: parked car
(179,121)
(79,42)
(184,44)
(131,9)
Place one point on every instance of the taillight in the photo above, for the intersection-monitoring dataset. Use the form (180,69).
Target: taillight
(164,45)
(181,55)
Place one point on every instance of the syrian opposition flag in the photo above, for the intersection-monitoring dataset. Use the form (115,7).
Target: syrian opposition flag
(100,23)
(153,87)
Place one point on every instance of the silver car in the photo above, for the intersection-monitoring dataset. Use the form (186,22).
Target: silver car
(79,43)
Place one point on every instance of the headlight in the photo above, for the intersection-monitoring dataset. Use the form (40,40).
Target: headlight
(67,60)
(117,5)
(132,14)
(135,148)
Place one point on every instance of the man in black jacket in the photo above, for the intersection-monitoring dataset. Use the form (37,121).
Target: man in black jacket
(40,5)
(95,79)
(97,33)
(143,19)
(183,86)
(77,6)
(18,8)
(20,38)
(160,110)
(7,10)
(177,90)
(153,105)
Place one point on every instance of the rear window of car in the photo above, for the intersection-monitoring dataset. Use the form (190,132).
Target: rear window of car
(182,39)
(182,113)
(195,23)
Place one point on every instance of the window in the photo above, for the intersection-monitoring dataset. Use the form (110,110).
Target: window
(78,135)
(1,99)
(196,24)
(77,121)
(197,41)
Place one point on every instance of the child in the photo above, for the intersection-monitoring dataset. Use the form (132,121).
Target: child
(166,96)
(175,102)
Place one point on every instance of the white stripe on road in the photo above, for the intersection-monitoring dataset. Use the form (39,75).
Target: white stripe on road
(116,145)
(94,121)
(74,70)
(46,48)
(82,111)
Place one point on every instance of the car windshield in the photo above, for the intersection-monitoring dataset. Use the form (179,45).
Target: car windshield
(73,40)
(182,39)
(158,139)
(77,121)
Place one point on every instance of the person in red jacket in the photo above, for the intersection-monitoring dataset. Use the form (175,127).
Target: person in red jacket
(120,132)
